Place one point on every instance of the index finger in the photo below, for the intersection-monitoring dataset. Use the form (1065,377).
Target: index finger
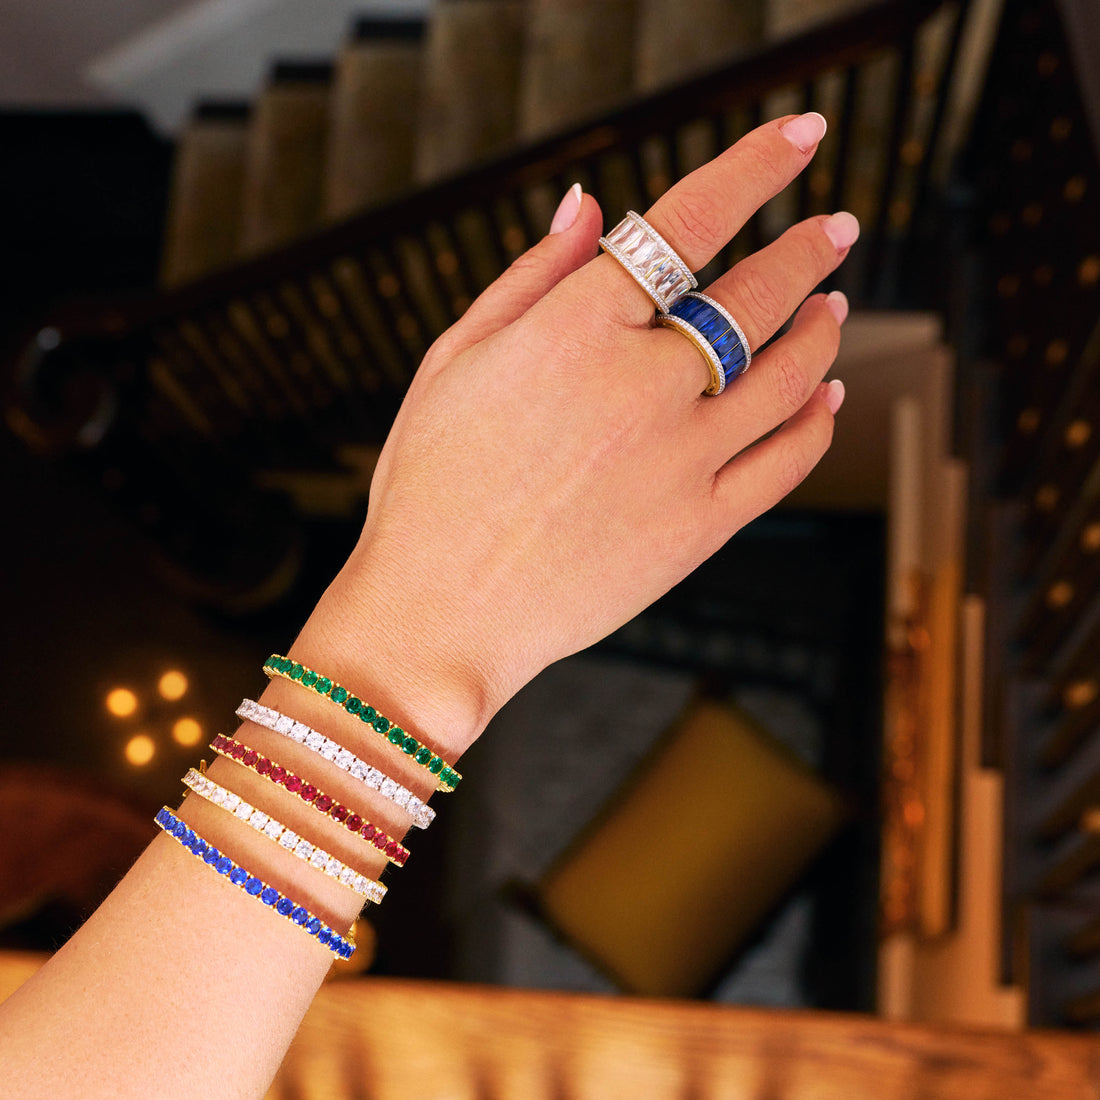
(701,213)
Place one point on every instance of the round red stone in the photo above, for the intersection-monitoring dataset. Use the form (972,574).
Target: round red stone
(250,758)
(379,840)
(220,741)
(263,765)
(238,751)
(353,822)
(308,793)
(278,774)
(323,802)
(293,783)
(340,813)
(368,831)
(392,848)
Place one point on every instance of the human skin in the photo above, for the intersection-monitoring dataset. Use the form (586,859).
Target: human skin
(553,470)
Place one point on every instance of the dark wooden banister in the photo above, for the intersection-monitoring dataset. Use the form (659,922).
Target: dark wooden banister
(836,45)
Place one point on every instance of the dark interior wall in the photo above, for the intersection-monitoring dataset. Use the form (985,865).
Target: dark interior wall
(82,202)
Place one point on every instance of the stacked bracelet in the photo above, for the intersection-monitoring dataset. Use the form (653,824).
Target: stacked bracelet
(308,792)
(445,776)
(422,815)
(316,857)
(341,946)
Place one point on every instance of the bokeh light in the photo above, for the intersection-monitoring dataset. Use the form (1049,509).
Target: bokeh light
(140,749)
(173,685)
(121,702)
(187,732)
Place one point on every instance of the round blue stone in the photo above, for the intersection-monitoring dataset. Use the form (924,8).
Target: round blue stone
(285,907)
(324,936)
(335,944)
(299,915)
(163,817)
(212,854)
(180,831)
(253,886)
(349,950)
(189,838)
(199,846)
(237,876)
(270,895)
(314,927)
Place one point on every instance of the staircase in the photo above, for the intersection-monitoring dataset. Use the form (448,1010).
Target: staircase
(1028,417)
(249,397)
(291,358)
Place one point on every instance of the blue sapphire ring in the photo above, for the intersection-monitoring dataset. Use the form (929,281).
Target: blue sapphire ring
(715,333)
(649,260)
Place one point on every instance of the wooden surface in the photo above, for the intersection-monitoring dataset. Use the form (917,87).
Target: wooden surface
(387,1039)
(390,1039)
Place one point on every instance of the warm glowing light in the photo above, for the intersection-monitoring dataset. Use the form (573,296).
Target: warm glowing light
(187,731)
(140,749)
(121,702)
(173,685)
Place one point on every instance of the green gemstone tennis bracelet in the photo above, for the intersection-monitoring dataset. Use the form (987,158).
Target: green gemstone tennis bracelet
(446,777)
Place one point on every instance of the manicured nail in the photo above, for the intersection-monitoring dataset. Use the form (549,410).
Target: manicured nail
(842,229)
(805,131)
(837,302)
(567,211)
(834,395)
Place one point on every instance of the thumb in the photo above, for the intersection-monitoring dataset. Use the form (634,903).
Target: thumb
(571,243)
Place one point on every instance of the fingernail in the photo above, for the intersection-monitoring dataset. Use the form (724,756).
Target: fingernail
(834,395)
(805,131)
(837,302)
(567,211)
(842,229)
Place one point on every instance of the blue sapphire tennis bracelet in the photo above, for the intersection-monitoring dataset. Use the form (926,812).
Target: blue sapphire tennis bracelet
(341,946)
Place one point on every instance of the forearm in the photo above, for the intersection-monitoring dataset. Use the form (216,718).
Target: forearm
(198,986)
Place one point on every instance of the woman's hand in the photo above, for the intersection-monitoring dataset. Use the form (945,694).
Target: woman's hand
(554,467)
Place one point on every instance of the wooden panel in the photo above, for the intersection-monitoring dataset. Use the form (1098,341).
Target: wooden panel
(467,1041)
(461,1042)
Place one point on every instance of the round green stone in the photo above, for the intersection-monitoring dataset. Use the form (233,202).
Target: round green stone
(322,686)
(397,735)
(338,694)
(369,714)
(272,661)
(296,671)
(285,664)
(423,755)
(353,704)
(411,745)
(309,677)
(381,723)
(435,765)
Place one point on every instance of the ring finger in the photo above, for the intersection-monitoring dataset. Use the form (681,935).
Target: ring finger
(763,290)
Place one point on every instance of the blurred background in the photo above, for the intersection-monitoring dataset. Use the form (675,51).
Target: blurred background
(232,228)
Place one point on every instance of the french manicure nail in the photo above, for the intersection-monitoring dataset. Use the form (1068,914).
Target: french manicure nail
(834,395)
(837,302)
(842,229)
(567,211)
(805,131)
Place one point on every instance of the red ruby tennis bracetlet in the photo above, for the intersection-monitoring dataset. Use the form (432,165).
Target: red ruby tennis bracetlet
(307,792)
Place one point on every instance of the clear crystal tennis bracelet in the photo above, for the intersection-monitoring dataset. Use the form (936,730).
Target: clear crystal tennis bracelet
(421,813)
(309,853)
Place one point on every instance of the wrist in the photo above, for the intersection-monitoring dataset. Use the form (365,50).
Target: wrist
(383,650)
